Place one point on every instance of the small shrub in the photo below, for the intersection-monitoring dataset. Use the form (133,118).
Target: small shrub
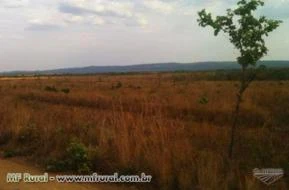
(51,89)
(117,85)
(75,159)
(203,100)
(9,153)
(65,90)
(134,87)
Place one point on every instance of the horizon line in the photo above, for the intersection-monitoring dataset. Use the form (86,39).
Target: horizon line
(138,64)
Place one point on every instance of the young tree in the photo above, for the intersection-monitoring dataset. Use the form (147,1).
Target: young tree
(246,32)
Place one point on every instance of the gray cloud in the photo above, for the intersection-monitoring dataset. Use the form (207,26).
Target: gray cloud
(127,14)
(43,27)
(71,9)
(76,10)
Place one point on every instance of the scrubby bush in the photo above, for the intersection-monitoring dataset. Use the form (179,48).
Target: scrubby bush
(51,89)
(117,85)
(65,90)
(134,87)
(75,159)
(9,153)
(203,100)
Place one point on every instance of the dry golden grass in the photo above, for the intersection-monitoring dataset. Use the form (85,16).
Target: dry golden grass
(161,127)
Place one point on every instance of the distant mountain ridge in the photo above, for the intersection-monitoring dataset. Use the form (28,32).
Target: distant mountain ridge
(157,67)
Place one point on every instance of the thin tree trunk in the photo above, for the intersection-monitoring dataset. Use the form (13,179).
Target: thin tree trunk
(234,125)
(236,112)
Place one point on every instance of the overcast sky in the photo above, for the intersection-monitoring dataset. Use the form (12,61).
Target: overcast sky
(45,34)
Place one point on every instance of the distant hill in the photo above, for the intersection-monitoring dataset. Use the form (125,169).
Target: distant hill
(157,67)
